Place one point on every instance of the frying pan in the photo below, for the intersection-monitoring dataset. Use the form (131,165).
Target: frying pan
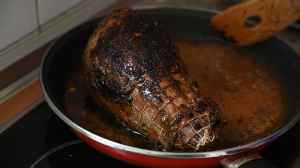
(187,23)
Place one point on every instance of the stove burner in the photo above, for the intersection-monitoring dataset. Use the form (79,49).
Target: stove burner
(48,154)
(75,154)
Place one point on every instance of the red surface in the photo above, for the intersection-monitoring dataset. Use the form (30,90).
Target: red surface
(150,161)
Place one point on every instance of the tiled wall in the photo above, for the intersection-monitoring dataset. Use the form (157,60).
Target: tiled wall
(51,8)
(20,17)
(17,18)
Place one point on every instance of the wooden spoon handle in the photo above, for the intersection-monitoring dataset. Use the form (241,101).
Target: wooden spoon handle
(256,20)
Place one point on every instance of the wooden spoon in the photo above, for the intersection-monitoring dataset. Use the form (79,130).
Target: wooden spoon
(256,20)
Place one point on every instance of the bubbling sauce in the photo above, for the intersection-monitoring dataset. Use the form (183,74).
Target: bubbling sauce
(250,96)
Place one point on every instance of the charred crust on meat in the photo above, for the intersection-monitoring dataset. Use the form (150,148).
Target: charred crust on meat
(207,105)
(122,45)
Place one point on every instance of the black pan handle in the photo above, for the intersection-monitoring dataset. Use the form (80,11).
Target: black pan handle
(248,161)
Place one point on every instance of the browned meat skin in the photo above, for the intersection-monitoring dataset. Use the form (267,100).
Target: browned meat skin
(133,69)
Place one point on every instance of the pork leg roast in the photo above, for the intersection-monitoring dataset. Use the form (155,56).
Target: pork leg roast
(132,68)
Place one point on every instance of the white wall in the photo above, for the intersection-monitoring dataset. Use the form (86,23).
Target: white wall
(19,17)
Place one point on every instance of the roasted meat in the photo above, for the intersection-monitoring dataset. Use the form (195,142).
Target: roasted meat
(132,68)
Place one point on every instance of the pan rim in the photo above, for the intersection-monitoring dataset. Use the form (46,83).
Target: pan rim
(161,154)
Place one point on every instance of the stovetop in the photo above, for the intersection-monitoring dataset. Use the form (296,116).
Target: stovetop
(42,140)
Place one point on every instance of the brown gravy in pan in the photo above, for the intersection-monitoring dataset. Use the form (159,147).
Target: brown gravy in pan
(250,96)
